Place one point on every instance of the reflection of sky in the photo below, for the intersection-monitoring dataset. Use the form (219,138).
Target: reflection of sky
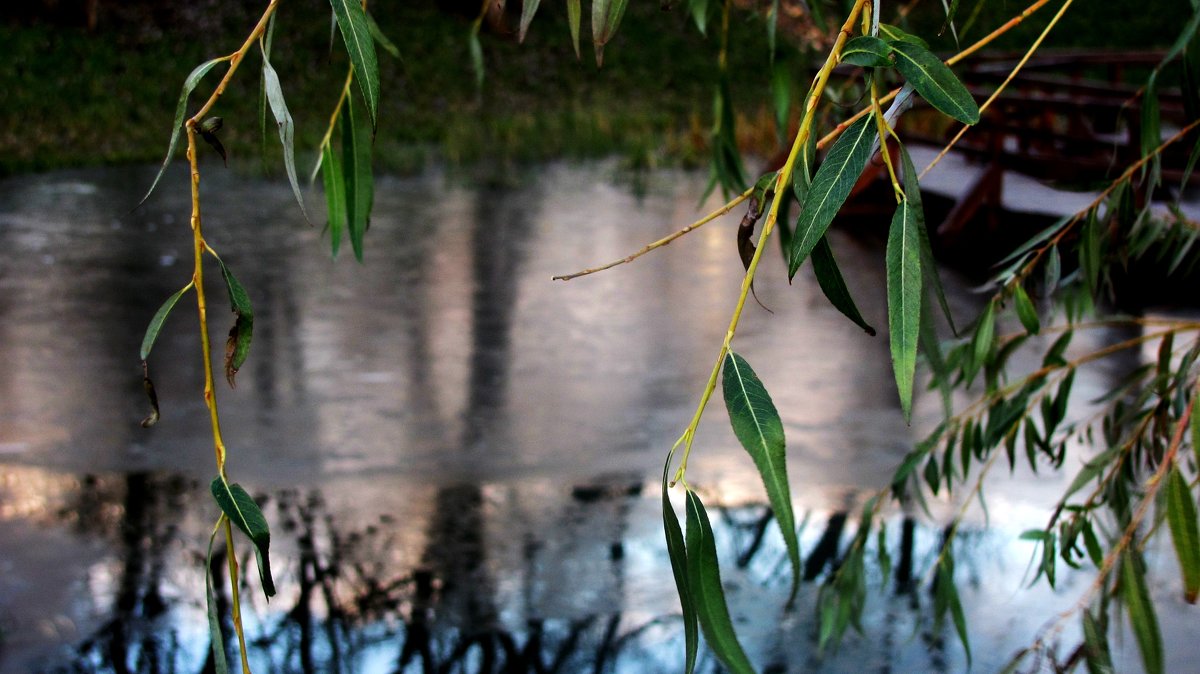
(448,397)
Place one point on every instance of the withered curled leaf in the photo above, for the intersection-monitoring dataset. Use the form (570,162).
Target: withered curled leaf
(149,387)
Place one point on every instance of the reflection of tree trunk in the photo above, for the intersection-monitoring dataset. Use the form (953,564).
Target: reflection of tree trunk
(904,570)
(827,548)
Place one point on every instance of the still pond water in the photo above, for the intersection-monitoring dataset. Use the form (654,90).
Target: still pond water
(458,456)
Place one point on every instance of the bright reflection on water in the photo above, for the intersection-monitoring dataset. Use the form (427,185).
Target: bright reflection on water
(458,456)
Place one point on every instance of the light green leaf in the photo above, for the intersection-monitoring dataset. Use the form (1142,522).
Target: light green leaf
(677,551)
(867,51)
(1141,612)
(803,170)
(1025,310)
(528,9)
(335,195)
(904,299)
(829,277)
(981,343)
(704,580)
(757,425)
(380,39)
(895,34)
(935,81)
(356,33)
(283,119)
(830,188)
(476,52)
(358,179)
(160,317)
(606,16)
(699,9)
(246,516)
(574,16)
(220,664)
(1181,516)
(189,84)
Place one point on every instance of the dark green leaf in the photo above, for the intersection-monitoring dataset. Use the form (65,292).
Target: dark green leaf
(1095,642)
(929,268)
(830,188)
(829,277)
(677,551)
(1141,612)
(802,171)
(904,299)
(528,9)
(283,119)
(781,95)
(476,52)
(574,15)
(981,343)
(1054,356)
(377,35)
(356,167)
(704,580)
(757,425)
(867,51)
(356,33)
(335,195)
(246,516)
(1053,270)
(895,34)
(160,317)
(1025,310)
(1092,545)
(238,345)
(948,593)
(220,664)
(606,16)
(1090,471)
(1195,423)
(1181,516)
(189,84)
(936,83)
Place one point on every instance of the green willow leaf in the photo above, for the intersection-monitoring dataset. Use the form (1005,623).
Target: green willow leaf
(358,180)
(803,170)
(246,516)
(934,80)
(946,598)
(781,95)
(830,188)
(189,84)
(160,317)
(335,195)
(1096,651)
(699,10)
(677,551)
(606,16)
(283,119)
(1025,310)
(237,347)
(1195,423)
(704,581)
(904,299)
(867,51)
(1141,612)
(929,267)
(1181,516)
(757,425)
(895,34)
(829,277)
(475,49)
(356,33)
(380,39)
(528,9)
(574,16)
(220,664)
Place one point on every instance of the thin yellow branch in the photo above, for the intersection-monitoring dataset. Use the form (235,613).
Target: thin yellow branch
(235,59)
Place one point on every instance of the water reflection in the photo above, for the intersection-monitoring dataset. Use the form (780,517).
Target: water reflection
(453,449)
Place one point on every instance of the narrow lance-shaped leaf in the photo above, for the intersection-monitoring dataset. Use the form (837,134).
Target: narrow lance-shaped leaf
(677,551)
(220,664)
(606,16)
(574,16)
(475,48)
(867,51)
(1181,516)
(380,39)
(335,195)
(1095,642)
(929,268)
(699,10)
(946,598)
(829,277)
(757,425)
(528,9)
(359,183)
(237,347)
(1141,612)
(283,120)
(247,516)
(830,187)
(1195,423)
(356,33)
(704,579)
(189,84)
(160,317)
(895,34)
(934,80)
(1025,310)
(904,299)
